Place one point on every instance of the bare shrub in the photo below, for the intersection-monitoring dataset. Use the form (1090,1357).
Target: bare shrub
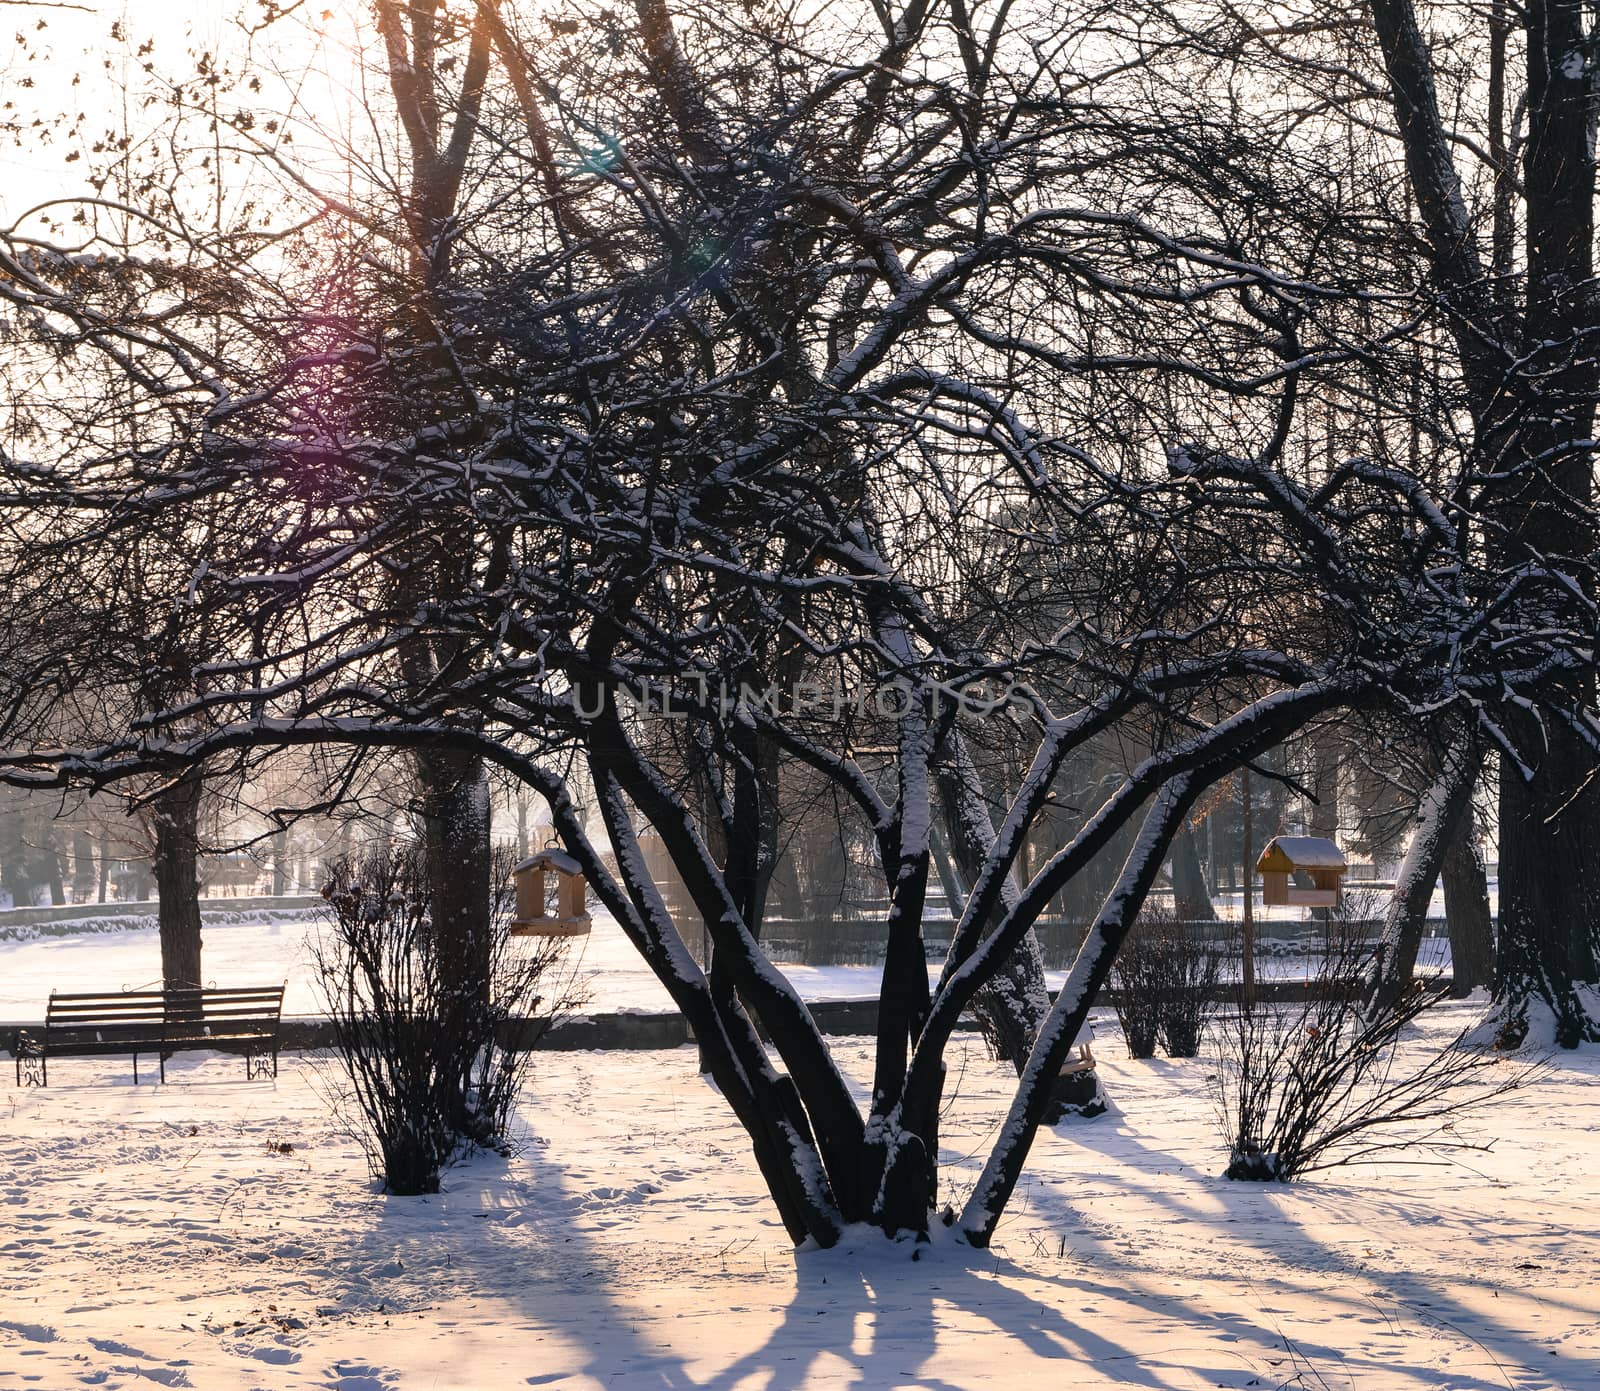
(1308,1086)
(429,1064)
(1136,983)
(1189,982)
(1166,980)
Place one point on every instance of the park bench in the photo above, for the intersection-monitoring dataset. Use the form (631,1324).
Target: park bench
(242,1019)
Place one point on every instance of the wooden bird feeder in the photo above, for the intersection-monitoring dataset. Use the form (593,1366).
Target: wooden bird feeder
(1315,856)
(534,919)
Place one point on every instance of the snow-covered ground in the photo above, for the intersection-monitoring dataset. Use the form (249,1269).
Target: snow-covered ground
(164,1235)
(272,946)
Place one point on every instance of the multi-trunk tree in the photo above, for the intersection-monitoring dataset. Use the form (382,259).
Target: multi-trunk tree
(831,391)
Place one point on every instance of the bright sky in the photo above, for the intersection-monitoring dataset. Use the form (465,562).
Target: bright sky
(65,74)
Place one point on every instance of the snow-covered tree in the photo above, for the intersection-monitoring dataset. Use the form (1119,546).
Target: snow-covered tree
(832,385)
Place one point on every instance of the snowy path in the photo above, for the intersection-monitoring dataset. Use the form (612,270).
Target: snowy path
(150,1234)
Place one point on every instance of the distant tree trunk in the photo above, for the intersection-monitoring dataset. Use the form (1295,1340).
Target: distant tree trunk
(175,816)
(1247,942)
(15,869)
(1466,911)
(105,870)
(954,887)
(83,865)
(1325,785)
(49,869)
(1191,899)
(280,864)
(783,894)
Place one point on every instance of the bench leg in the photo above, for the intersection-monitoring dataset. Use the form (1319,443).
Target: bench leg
(136,1069)
(255,1064)
(31,1071)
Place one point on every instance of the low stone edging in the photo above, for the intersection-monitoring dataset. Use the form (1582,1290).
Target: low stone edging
(644,1029)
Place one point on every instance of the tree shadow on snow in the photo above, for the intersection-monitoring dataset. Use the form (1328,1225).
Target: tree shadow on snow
(1280,1224)
(867,1315)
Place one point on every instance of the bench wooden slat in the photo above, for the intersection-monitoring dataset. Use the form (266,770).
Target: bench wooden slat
(230,1019)
(134,1007)
(156,1001)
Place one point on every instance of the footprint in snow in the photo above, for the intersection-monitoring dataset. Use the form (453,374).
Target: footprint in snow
(356,1376)
(277,1351)
(162,1376)
(278,1357)
(29,1332)
(117,1349)
(637,1194)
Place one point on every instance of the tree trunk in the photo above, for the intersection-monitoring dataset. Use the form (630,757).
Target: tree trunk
(1466,911)
(1532,395)
(1549,885)
(1088,976)
(951,883)
(455,817)
(1550,823)
(455,834)
(1014,1005)
(1191,899)
(1447,799)
(176,819)
(818,1119)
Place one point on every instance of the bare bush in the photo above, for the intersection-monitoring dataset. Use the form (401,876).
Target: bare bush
(1189,986)
(1166,981)
(1310,1086)
(1136,978)
(430,1063)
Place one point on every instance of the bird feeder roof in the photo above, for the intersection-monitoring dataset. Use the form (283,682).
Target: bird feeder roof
(1285,854)
(550,858)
